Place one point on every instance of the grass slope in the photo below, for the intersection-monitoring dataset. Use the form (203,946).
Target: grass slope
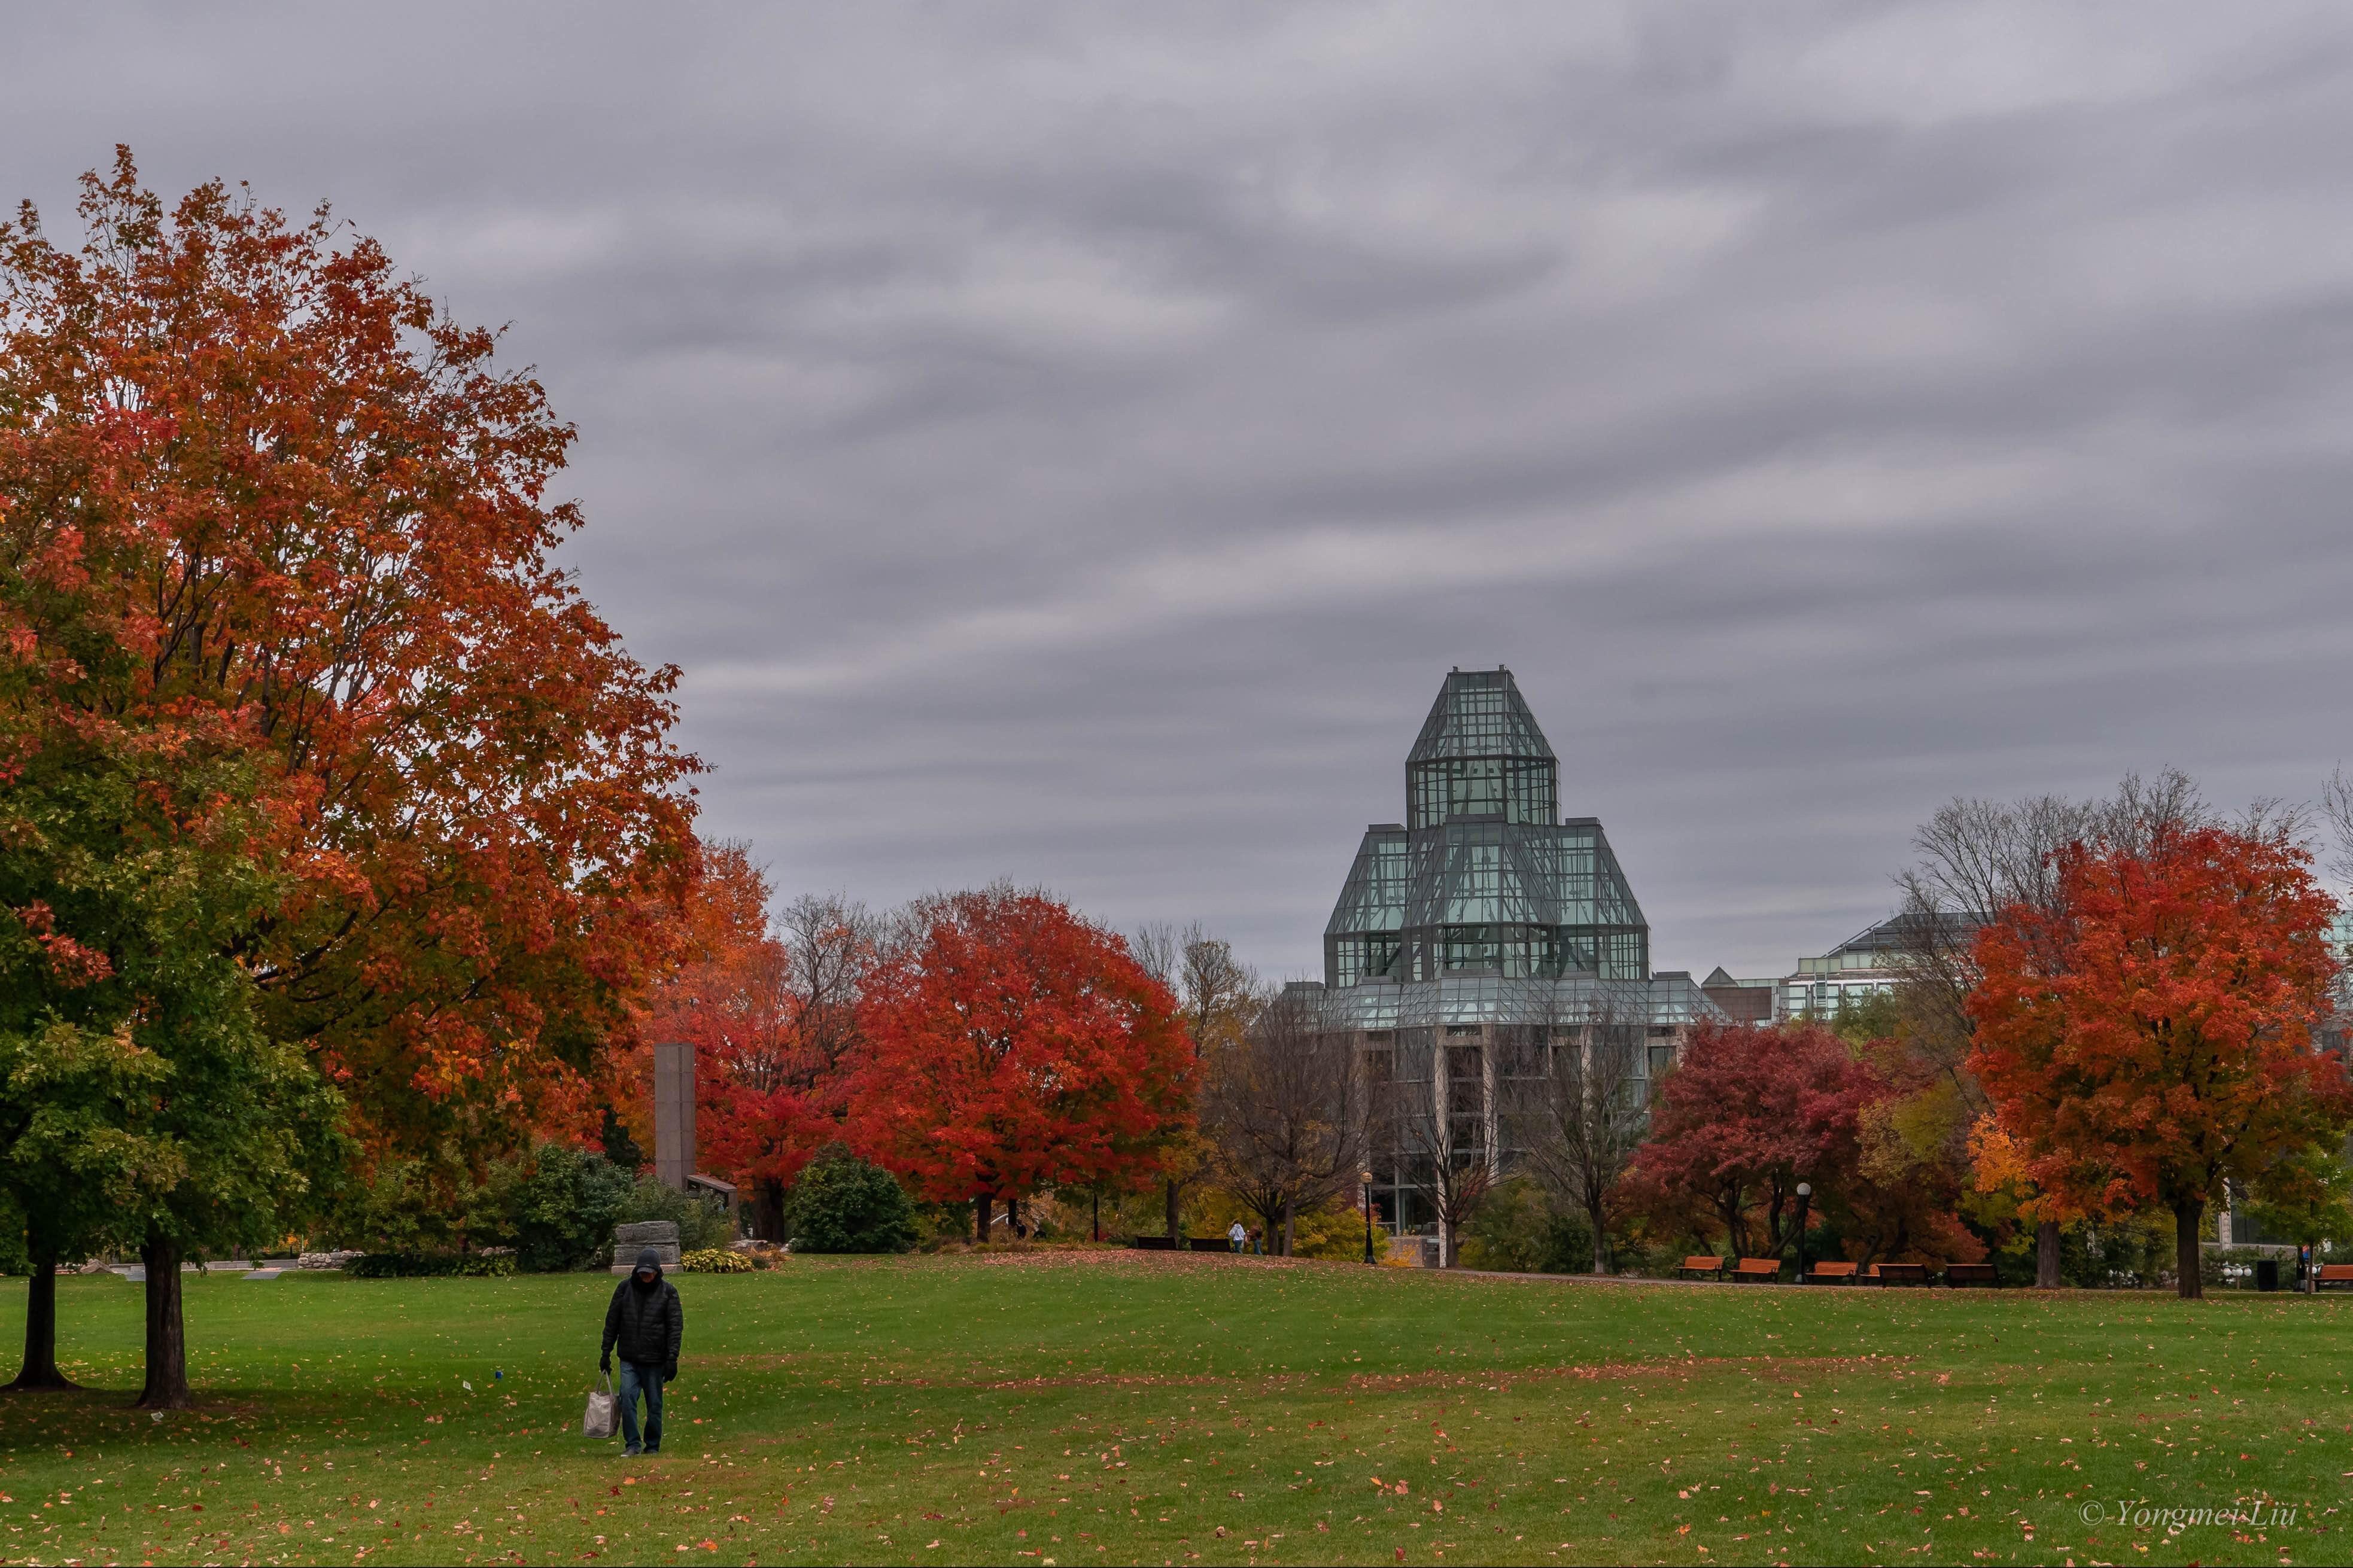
(1108,1408)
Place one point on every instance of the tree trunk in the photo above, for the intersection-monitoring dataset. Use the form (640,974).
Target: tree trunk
(1446,1242)
(2187,1218)
(167,1333)
(769,1210)
(40,1367)
(980,1207)
(1175,1235)
(1601,1238)
(1096,1225)
(1290,1211)
(1013,1219)
(2046,1256)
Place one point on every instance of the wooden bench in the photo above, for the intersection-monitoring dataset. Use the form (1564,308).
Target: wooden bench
(1833,1273)
(1693,1267)
(2334,1276)
(1897,1274)
(1959,1275)
(1758,1271)
(1209,1244)
(1152,1244)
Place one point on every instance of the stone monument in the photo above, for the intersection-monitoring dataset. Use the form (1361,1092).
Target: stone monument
(628,1240)
(673,1114)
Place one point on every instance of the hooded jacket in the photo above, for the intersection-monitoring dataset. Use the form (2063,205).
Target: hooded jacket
(645,1321)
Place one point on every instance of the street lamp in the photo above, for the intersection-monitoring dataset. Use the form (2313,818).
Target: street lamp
(1805,1199)
(1369,1215)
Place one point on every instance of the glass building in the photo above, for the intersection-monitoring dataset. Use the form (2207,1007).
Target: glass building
(1485,924)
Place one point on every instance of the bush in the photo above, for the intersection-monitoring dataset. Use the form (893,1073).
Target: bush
(1335,1231)
(841,1204)
(1519,1230)
(701,1225)
(560,1211)
(497,1265)
(716,1261)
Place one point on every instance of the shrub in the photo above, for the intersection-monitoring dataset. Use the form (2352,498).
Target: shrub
(560,1211)
(1519,1230)
(716,1261)
(498,1265)
(841,1204)
(701,1225)
(1333,1230)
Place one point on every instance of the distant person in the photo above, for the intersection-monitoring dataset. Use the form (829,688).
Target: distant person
(644,1322)
(1236,1235)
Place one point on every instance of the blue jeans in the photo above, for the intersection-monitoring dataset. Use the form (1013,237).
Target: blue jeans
(637,1380)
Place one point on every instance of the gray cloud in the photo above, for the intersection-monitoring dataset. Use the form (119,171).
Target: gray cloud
(1069,443)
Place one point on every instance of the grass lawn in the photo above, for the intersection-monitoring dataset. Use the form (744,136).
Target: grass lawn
(1113,1408)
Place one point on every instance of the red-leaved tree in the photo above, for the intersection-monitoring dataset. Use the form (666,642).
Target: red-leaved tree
(772,1017)
(2147,1038)
(1743,1117)
(262,502)
(249,453)
(1011,1046)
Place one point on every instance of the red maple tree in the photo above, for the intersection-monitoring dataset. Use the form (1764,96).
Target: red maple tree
(2147,1038)
(255,484)
(772,1018)
(1011,1046)
(1745,1116)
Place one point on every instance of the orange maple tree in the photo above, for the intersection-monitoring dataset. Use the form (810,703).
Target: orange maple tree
(1011,1046)
(2147,1038)
(255,484)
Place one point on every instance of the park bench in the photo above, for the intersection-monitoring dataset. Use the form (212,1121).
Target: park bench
(1833,1274)
(1152,1244)
(1694,1267)
(1897,1274)
(1758,1271)
(1957,1275)
(2334,1276)
(1208,1244)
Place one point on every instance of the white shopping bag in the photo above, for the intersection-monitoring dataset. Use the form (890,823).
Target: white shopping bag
(598,1421)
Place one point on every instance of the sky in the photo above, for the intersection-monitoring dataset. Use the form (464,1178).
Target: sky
(1071,443)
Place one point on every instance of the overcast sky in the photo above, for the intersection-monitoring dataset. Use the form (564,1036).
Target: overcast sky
(1071,444)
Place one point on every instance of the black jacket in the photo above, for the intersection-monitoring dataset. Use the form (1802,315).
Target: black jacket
(646,1322)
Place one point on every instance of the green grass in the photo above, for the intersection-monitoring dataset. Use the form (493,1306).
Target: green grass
(1095,1408)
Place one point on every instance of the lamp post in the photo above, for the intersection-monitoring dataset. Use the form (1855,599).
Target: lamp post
(1805,1199)
(1369,1215)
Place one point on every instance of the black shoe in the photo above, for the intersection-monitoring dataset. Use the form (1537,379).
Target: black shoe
(653,1448)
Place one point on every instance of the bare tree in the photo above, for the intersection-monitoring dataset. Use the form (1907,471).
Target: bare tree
(1431,1105)
(1575,1100)
(1979,858)
(805,996)
(1278,1110)
(1219,995)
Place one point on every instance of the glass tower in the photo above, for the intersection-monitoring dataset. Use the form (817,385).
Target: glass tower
(1484,928)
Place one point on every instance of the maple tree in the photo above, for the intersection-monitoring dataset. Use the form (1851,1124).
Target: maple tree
(2145,1038)
(772,1015)
(1011,1046)
(143,1104)
(1743,1117)
(261,501)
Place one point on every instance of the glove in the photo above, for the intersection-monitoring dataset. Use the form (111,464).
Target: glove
(605,1366)
(670,1373)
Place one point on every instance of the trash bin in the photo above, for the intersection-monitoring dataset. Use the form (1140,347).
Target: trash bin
(2266,1273)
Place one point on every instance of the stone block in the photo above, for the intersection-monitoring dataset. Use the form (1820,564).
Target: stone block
(628,1240)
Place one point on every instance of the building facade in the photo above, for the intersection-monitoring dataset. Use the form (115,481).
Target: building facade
(1484,928)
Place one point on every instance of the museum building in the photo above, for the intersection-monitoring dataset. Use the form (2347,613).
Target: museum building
(1485,924)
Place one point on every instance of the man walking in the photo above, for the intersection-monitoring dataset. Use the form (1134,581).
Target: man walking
(646,1322)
